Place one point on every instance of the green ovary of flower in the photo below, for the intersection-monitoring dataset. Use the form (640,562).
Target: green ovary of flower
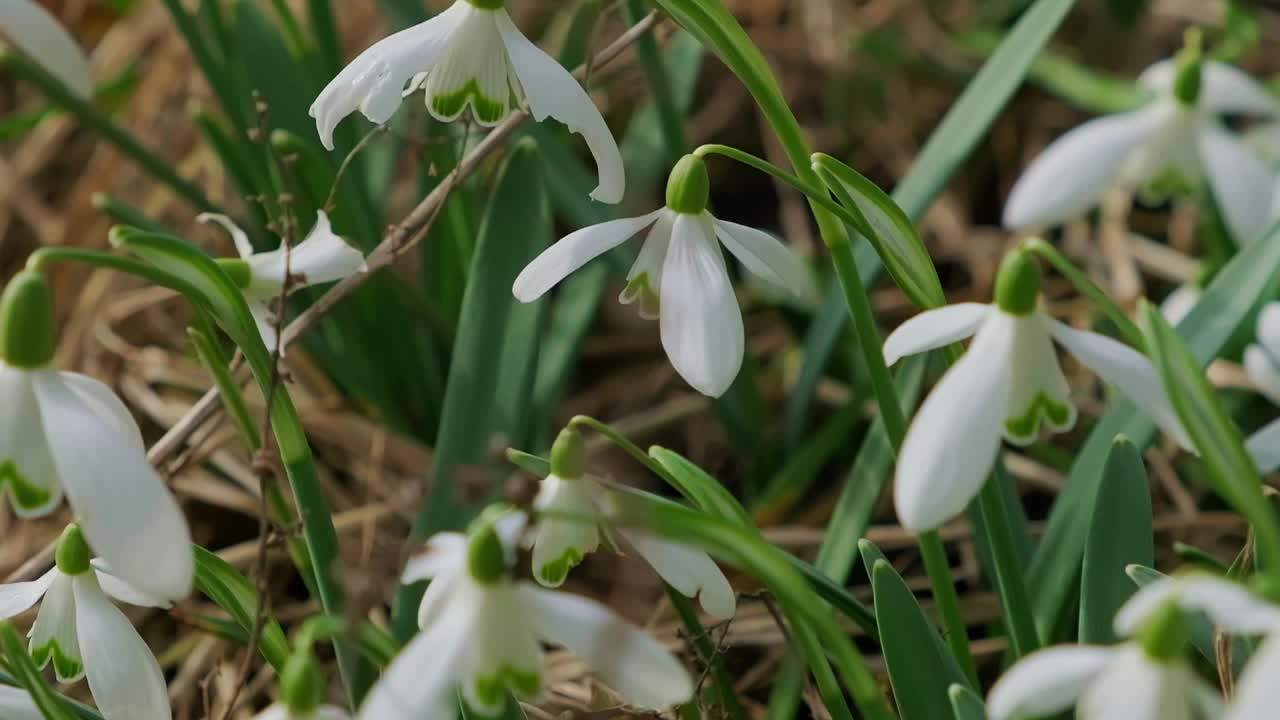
(1027,425)
(24,494)
(65,666)
(487,110)
(554,573)
(491,690)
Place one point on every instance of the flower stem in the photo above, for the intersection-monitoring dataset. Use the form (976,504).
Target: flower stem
(1087,287)
(1010,584)
(939,571)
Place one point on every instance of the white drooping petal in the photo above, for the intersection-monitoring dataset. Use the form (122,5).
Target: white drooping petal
(267,322)
(322,256)
(124,508)
(644,279)
(1264,447)
(952,443)
(700,320)
(1223,88)
(106,404)
(505,652)
(17,598)
(1127,369)
(1178,304)
(933,329)
(53,636)
(1073,173)
(422,680)
(38,33)
(244,248)
(769,259)
(123,591)
(445,553)
(124,677)
(552,91)
(279,711)
(1242,184)
(374,82)
(1046,682)
(560,543)
(474,71)
(1038,392)
(1257,693)
(573,251)
(1268,328)
(438,595)
(690,571)
(28,475)
(624,657)
(1228,605)
(16,704)
(1134,687)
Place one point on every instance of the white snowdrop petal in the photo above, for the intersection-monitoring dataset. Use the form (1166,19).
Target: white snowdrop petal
(324,256)
(951,444)
(1143,604)
(1264,447)
(552,91)
(422,680)
(700,320)
(769,259)
(40,35)
(1268,328)
(505,652)
(1127,369)
(17,598)
(374,81)
(573,251)
(123,591)
(445,552)
(1075,170)
(108,406)
(244,248)
(53,636)
(16,704)
(1038,392)
(330,712)
(266,321)
(1263,372)
(474,71)
(1242,184)
(1134,688)
(690,571)
(933,329)
(124,508)
(1257,693)
(438,595)
(1223,88)
(28,475)
(1178,304)
(560,543)
(1046,682)
(279,711)
(1228,605)
(124,677)
(624,657)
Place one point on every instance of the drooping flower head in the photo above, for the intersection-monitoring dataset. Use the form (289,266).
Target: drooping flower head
(680,275)
(64,433)
(471,55)
(81,633)
(322,256)
(38,33)
(571,528)
(1177,135)
(482,634)
(1008,385)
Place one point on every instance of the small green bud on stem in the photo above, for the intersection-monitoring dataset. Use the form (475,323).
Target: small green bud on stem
(73,554)
(301,684)
(1188,75)
(689,186)
(28,330)
(1018,283)
(1164,637)
(568,454)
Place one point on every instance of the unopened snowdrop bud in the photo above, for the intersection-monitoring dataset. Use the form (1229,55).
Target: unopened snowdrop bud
(73,554)
(1164,636)
(28,330)
(301,684)
(1018,283)
(689,186)
(1188,78)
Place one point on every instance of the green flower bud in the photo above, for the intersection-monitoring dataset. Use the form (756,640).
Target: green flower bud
(488,4)
(568,454)
(486,557)
(1018,283)
(28,331)
(689,186)
(1164,636)
(1188,77)
(73,554)
(237,269)
(301,684)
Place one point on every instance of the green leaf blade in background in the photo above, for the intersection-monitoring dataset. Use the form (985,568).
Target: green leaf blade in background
(965,704)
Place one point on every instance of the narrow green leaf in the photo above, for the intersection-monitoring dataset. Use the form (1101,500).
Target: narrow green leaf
(28,675)
(705,491)
(233,592)
(1120,534)
(965,704)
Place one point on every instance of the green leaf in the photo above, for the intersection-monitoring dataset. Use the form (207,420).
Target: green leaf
(1230,299)
(1120,534)
(965,704)
(703,490)
(233,592)
(28,675)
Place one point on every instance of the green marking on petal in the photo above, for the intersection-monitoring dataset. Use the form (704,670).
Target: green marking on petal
(555,572)
(488,111)
(1027,425)
(65,667)
(640,290)
(1170,183)
(491,690)
(26,495)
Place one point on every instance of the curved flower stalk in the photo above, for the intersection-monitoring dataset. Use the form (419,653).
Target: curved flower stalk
(38,33)
(571,528)
(1262,363)
(321,257)
(482,634)
(81,633)
(1145,679)
(470,55)
(680,276)
(1177,134)
(16,704)
(67,434)
(1008,384)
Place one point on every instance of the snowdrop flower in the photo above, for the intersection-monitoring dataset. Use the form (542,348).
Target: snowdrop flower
(302,689)
(560,542)
(1262,363)
(64,433)
(82,633)
(38,33)
(471,54)
(680,276)
(1177,133)
(1257,694)
(321,257)
(16,704)
(482,633)
(1009,383)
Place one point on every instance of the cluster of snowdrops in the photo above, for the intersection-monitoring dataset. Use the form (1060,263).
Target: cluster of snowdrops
(482,629)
